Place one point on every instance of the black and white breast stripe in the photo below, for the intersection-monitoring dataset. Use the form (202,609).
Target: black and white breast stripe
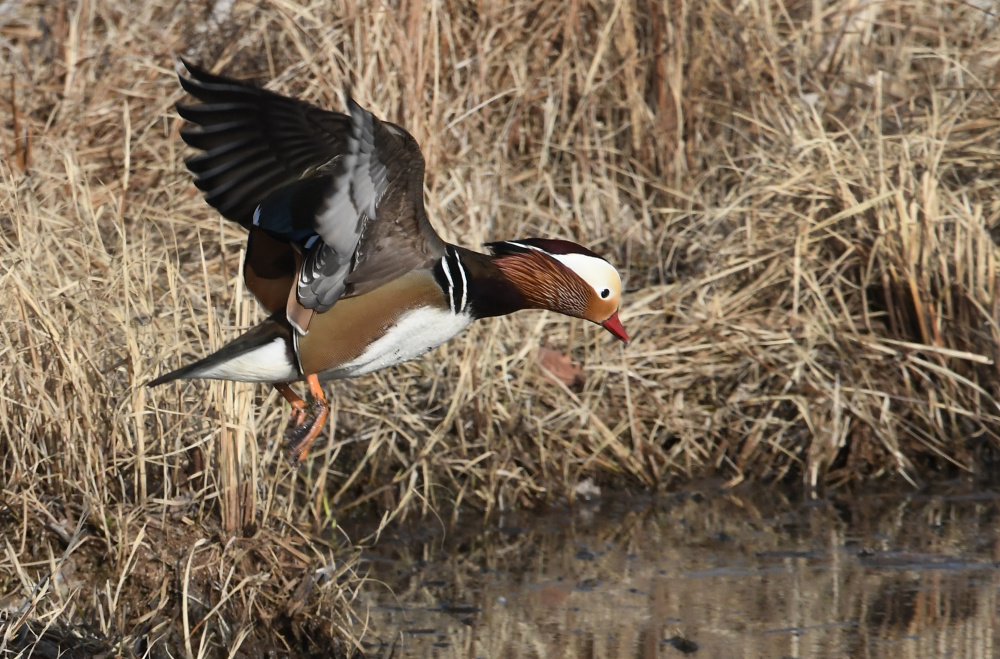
(454,281)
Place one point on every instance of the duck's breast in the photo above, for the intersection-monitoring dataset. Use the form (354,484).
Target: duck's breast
(392,324)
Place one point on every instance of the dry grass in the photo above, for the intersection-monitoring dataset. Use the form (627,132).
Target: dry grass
(800,196)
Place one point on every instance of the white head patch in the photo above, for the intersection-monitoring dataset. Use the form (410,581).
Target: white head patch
(600,274)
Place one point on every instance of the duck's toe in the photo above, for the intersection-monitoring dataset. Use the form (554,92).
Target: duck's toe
(306,422)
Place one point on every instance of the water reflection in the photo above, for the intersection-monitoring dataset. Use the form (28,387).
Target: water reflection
(707,575)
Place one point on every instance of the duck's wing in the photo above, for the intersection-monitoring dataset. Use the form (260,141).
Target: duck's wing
(371,221)
(254,142)
(345,189)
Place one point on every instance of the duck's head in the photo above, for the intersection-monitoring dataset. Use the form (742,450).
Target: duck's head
(563,276)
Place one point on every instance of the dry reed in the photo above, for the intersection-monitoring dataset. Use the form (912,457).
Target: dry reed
(800,195)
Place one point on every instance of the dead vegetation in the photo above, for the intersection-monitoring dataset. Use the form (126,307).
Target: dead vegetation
(800,195)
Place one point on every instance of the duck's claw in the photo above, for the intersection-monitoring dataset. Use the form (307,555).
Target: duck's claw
(306,420)
(299,437)
(296,418)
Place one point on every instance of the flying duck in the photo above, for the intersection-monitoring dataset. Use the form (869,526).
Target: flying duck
(340,251)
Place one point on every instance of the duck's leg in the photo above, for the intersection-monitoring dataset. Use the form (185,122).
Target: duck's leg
(298,414)
(306,420)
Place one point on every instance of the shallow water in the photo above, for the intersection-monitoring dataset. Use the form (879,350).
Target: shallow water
(704,575)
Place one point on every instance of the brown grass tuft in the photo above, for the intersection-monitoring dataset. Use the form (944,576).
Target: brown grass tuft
(801,196)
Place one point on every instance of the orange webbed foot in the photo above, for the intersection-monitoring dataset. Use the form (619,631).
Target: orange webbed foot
(306,420)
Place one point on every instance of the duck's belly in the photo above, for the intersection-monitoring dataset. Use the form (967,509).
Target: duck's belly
(417,332)
(414,333)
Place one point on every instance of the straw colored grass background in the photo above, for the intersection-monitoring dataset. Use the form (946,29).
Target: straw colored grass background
(800,196)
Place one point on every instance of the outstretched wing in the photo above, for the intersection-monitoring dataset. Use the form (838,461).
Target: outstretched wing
(346,190)
(254,142)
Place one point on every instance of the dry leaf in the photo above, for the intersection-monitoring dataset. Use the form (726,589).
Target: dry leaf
(560,367)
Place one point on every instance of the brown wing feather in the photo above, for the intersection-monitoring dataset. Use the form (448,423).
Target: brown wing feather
(383,196)
(401,238)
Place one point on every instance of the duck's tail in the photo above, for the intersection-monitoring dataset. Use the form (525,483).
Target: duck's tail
(264,354)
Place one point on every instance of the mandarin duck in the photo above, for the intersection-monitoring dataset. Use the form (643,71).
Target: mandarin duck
(340,251)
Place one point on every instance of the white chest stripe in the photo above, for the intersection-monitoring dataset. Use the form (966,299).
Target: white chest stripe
(465,284)
(451,263)
(451,282)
